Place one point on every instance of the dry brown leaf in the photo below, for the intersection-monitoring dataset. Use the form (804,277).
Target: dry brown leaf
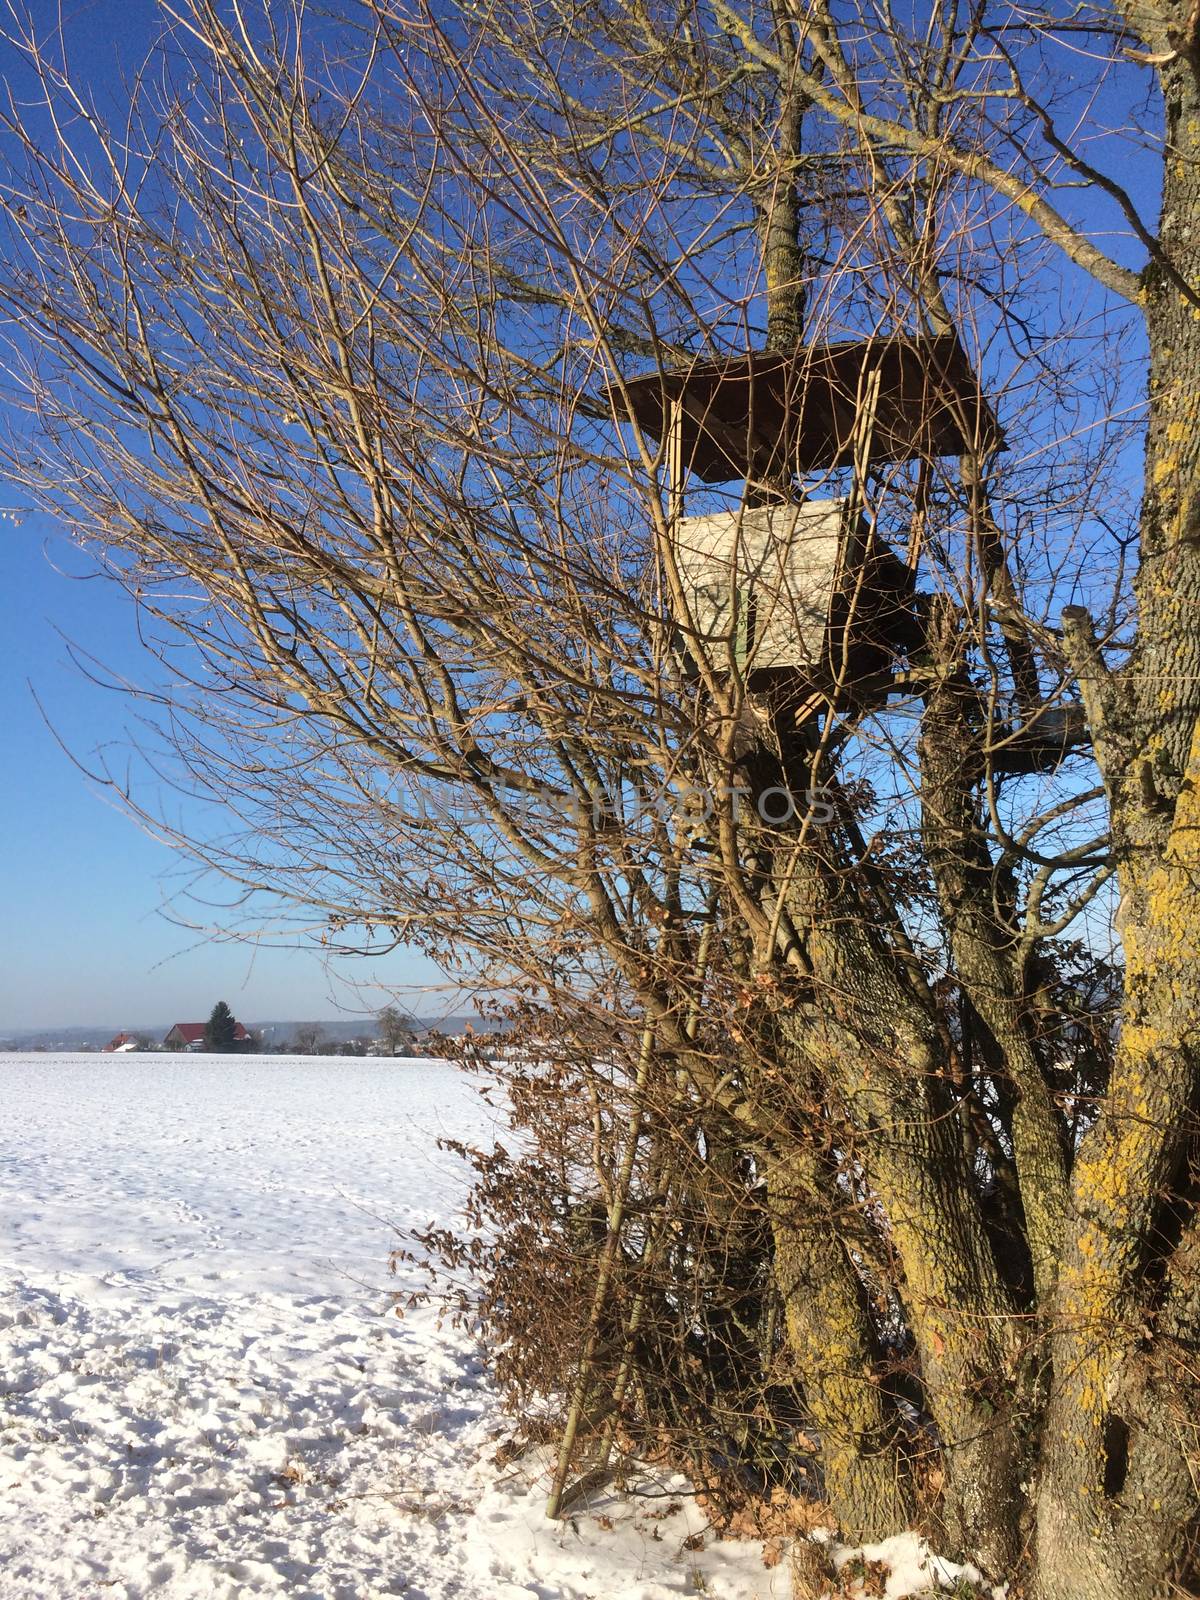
(772,1553)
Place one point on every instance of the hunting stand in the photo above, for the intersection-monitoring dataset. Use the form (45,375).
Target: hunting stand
(795,591)
(798,592)
(801,596)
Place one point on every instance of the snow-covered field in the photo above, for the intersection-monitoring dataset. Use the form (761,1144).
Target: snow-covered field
(204,1392)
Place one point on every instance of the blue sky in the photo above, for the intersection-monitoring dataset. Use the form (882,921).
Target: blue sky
(84,938)
(83,935)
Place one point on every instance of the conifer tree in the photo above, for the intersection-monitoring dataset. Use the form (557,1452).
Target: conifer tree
(220,1031)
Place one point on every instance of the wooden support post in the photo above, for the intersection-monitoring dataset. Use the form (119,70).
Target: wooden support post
(692,1025)
(866,404)
(608,1258)
(561,1497)
(675,467)
(916,533)
(625,1371)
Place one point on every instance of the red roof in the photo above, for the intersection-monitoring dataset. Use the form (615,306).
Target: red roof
(193,1032)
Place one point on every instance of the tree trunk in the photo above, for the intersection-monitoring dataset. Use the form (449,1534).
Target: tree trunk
(829,1339)
(986,962)
(870,1038)
(1118,1489)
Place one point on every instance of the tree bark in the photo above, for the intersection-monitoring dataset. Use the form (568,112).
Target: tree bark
(829,1338)
(1118,1487)
(879,1050)
(984,951)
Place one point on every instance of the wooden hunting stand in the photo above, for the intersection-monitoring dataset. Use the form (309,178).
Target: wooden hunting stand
(800,596)
(797,592)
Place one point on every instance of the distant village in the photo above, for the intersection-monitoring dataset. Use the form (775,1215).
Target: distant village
(390,1035)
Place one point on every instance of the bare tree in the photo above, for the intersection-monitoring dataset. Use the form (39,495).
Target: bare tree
(343,356)
(395,1031)
(308,1039)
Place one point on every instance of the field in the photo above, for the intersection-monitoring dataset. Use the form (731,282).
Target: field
(204,1390)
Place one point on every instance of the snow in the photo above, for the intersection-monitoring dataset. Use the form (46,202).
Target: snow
(913,1569)
(204,1390)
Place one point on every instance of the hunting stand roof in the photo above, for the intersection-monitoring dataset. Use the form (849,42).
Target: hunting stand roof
(765,414)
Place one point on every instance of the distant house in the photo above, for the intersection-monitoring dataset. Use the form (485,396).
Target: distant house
(190,1036)
(123,1043)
